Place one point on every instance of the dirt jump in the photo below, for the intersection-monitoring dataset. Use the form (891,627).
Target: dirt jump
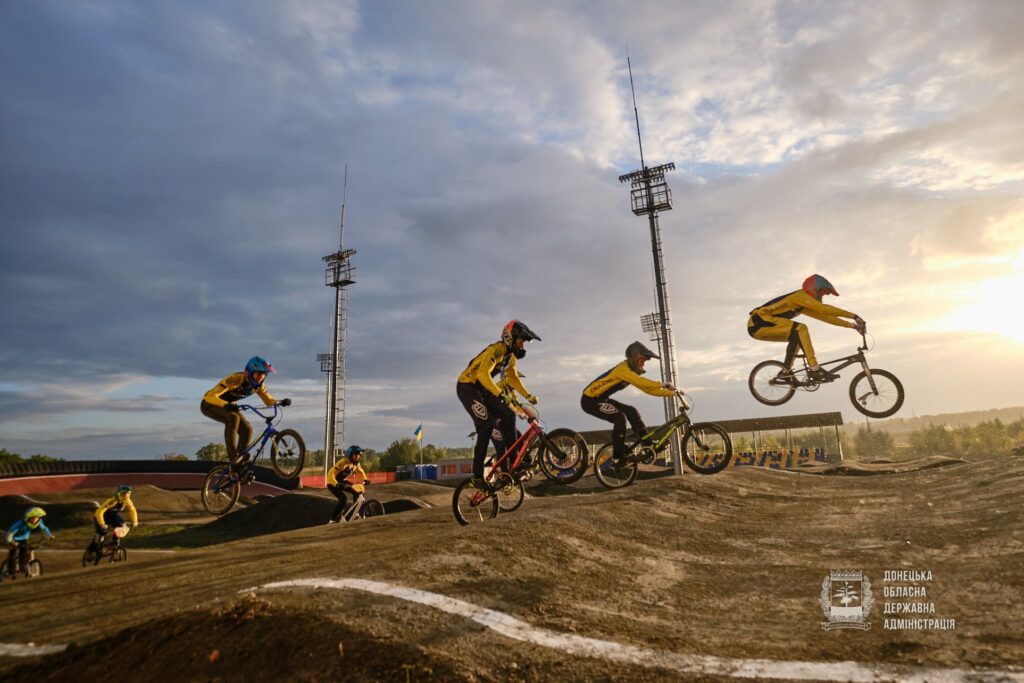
(714,578)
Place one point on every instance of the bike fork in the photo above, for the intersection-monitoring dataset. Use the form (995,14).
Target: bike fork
(867,372)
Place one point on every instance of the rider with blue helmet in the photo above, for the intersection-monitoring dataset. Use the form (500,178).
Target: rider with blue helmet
(219,404)
(109,514)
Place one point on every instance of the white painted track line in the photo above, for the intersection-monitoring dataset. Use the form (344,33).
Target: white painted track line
(28,649)
(581,646)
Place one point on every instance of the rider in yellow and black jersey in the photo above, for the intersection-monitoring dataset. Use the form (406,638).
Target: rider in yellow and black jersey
(773,320)
(108,514)
(347,476)
(595,400)
(480,396)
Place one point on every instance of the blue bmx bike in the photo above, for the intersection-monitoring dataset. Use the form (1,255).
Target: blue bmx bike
(223,484)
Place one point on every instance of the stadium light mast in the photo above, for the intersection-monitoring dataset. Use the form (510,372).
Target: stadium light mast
(650,194)
(340,273)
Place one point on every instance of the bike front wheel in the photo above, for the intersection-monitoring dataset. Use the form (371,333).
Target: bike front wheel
(287,453)
(34,568)
(220,490)
(119,555)
(372,508)
(562,456)
(707,448)
(766,383)
(882,401)
(610,475)
(470,505)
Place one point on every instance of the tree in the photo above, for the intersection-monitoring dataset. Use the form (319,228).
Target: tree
(212,451)
(6,457)
(172,457)
(402,452)
(933,440)
(872,443)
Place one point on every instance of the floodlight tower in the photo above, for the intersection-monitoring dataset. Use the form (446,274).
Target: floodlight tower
(649,195)
(340,273)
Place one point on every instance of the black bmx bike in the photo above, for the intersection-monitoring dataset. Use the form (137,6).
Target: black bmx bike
(875,393)
(706,448)
(223,484)
(31,568)
(112,549)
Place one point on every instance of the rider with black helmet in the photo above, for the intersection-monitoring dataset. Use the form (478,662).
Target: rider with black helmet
(480,396)
(342,479)
(595,400)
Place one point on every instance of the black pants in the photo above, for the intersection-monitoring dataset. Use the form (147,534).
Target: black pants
(339,492)
(617,413)
(488,414)
(111,519)
(237,430)
(17,556)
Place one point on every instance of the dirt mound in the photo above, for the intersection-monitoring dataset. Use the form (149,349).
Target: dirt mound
(859,468)
(148,498)
(58,515)
(251,640)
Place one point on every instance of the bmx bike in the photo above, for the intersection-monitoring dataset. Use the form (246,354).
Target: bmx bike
(560,454)
(875,393)
(30,569)
(706,448)
(223,484)
(111,549)
(362,508)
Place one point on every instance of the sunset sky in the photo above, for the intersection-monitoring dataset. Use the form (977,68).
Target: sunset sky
(171,175)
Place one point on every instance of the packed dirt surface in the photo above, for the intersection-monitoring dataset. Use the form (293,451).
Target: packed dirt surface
(699,575)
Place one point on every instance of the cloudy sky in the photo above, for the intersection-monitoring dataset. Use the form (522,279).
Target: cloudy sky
(171,175)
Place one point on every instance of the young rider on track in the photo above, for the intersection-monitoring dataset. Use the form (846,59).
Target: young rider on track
(595,400)
(109,515)
(338,481)
(773,321)
(219,404)
(17,538)
(481,397)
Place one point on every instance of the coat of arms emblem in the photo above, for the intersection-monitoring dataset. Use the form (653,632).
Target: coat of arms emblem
(846,600)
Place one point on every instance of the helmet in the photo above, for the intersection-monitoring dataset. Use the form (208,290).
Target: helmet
(817,286)
(638,349)
(34,512)
(123,490)
(516,330)
(258,364)
(354,450)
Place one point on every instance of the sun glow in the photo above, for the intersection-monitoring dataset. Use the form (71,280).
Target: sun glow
(993,306)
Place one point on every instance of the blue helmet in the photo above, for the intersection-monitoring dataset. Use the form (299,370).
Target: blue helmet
(258,364)
(817,286)
(123,490)
(354,450)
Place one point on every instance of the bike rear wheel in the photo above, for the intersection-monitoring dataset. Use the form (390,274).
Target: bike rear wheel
(707,448)
(881,403)
(608,474)
(91,556)
(562,455)
(470,505)
(766,386)
(287,453)
(509,492)
(372,508)
(220,490)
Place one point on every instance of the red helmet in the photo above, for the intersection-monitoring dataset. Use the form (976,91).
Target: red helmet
(817,286)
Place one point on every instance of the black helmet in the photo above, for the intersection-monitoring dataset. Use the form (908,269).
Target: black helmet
(516,330)
(638,349)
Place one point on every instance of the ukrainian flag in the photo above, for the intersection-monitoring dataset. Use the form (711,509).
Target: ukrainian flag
(419,432)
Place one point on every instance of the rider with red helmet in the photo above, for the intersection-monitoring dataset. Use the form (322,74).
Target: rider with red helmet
(480,396)
(773,321)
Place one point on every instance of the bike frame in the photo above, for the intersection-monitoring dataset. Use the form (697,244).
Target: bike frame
(660,437)
(268,431)
(519,447)
(846,361)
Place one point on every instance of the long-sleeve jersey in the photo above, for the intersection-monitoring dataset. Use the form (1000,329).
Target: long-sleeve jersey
(618,378)
(116,505)
(343,469)
(801,303)
(20,531)
(482,367)
(235,387)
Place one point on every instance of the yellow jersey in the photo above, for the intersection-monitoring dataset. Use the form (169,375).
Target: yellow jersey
(618,378)
(344,469)
(235,387)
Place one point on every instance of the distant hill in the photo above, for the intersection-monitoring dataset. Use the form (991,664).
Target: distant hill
(902,426)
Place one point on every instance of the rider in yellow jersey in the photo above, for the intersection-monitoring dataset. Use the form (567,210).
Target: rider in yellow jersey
(481,397)
(219,404)
(109,514)
(773,321)
(339,481)
(595,400)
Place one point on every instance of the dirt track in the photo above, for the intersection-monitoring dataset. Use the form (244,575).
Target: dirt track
(730,565)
